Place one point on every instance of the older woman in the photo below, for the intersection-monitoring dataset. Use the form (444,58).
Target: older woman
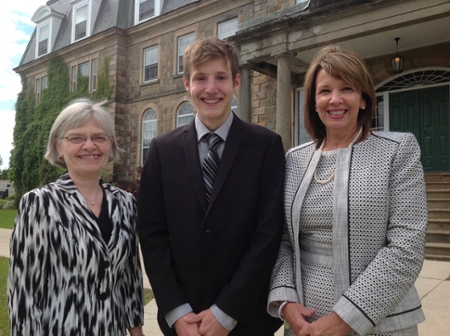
(356,214)
(74,267)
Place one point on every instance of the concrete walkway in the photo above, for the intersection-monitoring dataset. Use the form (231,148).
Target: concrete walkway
(432,286)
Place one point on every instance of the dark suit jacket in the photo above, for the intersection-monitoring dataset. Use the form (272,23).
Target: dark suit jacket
(219,254)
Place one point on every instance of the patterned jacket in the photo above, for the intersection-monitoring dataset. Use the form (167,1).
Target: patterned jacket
(379,225)
(63,278)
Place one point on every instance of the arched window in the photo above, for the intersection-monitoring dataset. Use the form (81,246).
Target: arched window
(149,130)
(185,114)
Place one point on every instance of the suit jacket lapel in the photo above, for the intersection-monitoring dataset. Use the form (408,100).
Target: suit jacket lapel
(190,147)
(234,140)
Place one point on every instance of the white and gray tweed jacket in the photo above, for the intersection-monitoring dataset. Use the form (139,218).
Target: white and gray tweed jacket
(63,278)
(380,219)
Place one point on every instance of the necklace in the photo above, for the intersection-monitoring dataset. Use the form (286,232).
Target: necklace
(91,201)
(334,172)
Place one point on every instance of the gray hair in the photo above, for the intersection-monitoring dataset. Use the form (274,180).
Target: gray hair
(76,114)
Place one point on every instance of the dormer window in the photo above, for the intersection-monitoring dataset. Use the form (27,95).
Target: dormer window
(147,9)
(80,22)
(43,39)
(48,22)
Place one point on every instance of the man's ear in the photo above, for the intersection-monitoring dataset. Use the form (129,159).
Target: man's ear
(237,81)
(186,84)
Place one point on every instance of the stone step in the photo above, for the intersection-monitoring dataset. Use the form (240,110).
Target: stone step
(434,213)
(438,224)
(437,177)
(438,185)
(438,193)
(437,249)
(438,236)
(438,203)
(437,257)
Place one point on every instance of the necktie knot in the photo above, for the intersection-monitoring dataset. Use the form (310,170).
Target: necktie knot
(213,140)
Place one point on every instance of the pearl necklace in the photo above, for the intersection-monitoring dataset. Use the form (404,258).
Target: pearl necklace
(91,201)
(334,173)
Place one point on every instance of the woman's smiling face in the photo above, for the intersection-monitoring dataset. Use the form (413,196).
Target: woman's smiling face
(337,103)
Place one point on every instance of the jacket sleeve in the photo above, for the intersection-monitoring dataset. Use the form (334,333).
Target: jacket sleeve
(392,273)
(27,269)
(133,285)
(154,236)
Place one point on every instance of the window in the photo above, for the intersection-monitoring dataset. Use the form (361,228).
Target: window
(149,123)
(80,22)
(94,74)
(378,119)
(227,28)
(74,78)
(43,34)
(44,83)
(146,9)
(150,64)
(234,105)
(38,90)
(84,69)
(185,114)
(183,42)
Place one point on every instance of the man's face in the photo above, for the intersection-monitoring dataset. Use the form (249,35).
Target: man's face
(212,87)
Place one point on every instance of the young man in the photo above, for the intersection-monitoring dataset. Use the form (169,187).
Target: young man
(210,219)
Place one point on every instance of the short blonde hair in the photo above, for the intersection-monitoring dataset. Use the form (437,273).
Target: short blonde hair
(76,114)
(344,65)
(209,48)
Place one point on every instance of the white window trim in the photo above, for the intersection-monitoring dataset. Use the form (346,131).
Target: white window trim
(144,64)
(94,70)
(180,53)
(158,5)
(38,30)
(234,20)
(88,19)
(149,121)
(186,114)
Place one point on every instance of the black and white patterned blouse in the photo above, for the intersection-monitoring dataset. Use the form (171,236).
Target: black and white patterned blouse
(63,278)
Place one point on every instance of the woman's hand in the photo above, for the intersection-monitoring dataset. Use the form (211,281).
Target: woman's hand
(329,325)
(295,314)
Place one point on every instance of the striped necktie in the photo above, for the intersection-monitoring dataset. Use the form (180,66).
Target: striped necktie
(211,163)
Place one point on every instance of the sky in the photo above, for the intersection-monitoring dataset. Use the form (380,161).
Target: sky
(17,29)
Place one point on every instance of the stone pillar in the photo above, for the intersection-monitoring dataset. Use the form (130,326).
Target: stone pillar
(284,104)
(245,94)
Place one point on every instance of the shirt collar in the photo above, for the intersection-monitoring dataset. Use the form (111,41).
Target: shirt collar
(222,131)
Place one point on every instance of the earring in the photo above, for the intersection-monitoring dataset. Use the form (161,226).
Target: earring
(363,108)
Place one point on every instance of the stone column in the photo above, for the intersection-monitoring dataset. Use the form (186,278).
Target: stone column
(245,94)
(284,104)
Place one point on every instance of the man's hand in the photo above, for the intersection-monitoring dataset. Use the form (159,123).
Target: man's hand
(295,314)
(329,325)
(186,326)
(209,326)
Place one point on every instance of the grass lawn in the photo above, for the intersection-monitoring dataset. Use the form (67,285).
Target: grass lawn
(7,219)
(4,322)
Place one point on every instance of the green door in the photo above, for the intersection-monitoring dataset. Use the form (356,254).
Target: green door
(426,114)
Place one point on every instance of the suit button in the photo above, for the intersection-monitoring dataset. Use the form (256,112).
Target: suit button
(103,296)
(208,273)
(208,233)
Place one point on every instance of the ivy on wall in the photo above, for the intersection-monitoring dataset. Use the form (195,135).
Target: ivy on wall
(28,168)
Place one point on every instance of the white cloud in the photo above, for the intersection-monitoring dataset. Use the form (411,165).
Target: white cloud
(17,28)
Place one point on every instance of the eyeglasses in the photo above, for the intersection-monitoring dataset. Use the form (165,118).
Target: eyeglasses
(78,139)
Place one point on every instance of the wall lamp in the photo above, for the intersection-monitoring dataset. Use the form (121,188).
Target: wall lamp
(397,60)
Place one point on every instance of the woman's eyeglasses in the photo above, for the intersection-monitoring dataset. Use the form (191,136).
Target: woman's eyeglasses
(78,139)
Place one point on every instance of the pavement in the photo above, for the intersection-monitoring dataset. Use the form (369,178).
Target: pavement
(432,285)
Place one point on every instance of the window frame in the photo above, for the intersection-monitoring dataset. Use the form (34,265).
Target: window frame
(152,126)
(75,12)
(38,38)
(186,113)
(150,49)
(225,25)
(182,48)
(74,77)
(137,10)
(93,74)
(38,90)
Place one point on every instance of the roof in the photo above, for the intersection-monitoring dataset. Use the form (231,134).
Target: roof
(112,13)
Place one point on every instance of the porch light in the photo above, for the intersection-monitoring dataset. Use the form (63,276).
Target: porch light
(397,60)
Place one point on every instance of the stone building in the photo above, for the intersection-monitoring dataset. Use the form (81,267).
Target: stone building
(143,41)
